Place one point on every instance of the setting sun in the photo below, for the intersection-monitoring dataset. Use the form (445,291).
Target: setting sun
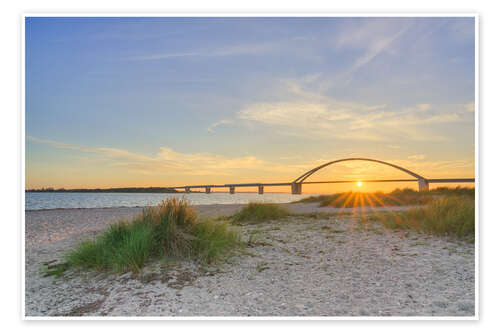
(360,184)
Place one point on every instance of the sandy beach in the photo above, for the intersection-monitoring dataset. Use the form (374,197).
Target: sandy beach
(298,266)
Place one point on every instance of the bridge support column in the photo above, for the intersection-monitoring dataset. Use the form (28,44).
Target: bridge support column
(296,188)
(261,189)
(231,189)
(207,190)
(423,185)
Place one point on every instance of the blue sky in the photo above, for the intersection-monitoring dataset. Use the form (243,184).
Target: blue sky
(175,101)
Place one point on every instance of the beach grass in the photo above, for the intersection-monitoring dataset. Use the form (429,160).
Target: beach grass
(256,212)
(170,229)
(450,216)
(398,197)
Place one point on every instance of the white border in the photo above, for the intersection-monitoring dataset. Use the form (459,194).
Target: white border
(23,165)
(476,164)
(256,14)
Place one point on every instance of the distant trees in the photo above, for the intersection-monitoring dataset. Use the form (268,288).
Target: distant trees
(109,190)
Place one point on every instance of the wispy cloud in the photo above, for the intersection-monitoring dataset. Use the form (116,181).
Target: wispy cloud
(224,51)
(313,115)
(437,168)
(170,162)
(160,56)
(372,37)
(470,107)
(110,152)
(219,123)
(375,49)
(417,157)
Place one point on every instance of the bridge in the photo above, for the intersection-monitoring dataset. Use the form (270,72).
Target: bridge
(296,185)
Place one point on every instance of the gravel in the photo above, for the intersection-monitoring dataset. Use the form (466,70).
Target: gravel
(298,266)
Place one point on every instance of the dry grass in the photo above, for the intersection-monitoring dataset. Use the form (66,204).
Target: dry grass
(398,197)
(256,212)
(451,216)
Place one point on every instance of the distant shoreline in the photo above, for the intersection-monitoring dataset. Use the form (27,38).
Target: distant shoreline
(107,190)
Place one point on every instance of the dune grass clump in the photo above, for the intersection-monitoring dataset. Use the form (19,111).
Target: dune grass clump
(169,230)
(323,199)
(453,216)
(122,247)
(260,212)
(457,191)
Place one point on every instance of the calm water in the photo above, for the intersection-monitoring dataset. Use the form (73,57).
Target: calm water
(35,201)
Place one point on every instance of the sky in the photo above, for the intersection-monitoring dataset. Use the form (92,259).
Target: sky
(118,102)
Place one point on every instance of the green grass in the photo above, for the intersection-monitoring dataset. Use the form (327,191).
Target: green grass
(398,197)
(212,240)
(169,230)
(256,212)
(453,216)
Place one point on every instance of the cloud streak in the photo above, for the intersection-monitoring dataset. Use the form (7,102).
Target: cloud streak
(306,112)
(225,51)
(170,162)
(373,37)
(357,122)
(212,127)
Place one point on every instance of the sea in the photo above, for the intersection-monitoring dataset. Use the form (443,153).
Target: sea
(54,200)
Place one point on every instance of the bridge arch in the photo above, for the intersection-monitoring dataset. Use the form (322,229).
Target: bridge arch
(297,183)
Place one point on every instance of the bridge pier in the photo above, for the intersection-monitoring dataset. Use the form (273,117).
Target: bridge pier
(423,185)
(296,188)
(261,189)
(208,189)
(231,189)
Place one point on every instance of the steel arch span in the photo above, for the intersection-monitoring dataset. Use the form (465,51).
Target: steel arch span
(297,183)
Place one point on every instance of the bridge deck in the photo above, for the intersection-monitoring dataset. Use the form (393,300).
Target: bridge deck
(433,180)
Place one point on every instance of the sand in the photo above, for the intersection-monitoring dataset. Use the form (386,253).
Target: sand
(297,266)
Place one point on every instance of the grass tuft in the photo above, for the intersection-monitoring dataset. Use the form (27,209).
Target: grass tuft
(452,216)
(211,239)
(256,212)
(169,230)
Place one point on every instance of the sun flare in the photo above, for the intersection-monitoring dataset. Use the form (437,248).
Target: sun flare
(360,184)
